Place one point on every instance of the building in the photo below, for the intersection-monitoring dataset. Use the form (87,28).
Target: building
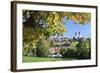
(77,36)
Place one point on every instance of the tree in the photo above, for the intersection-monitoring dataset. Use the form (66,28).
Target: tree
(83,49)
(50,22)
(38,24)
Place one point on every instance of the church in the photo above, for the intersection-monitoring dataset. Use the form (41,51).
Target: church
(77,36)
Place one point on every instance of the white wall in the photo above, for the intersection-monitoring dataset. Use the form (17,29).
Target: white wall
(5,37)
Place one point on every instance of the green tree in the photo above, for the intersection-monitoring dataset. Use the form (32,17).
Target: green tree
(83,49)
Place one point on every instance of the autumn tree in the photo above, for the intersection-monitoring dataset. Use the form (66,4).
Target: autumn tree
(43,24)
(49,23)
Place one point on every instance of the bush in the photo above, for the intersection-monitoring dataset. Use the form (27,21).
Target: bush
(42,49)
(29,49)
(70,53)
(83,50)
(25,49)
(63,51)
(52,43)
(84,54)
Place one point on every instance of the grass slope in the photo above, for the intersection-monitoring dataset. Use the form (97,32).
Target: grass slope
(41,59)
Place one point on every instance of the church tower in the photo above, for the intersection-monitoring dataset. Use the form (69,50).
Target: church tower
(79,35)
(76,35)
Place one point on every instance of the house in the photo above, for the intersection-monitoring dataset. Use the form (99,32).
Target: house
(55,52)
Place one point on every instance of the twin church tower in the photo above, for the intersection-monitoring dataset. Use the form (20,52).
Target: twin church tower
(77,35)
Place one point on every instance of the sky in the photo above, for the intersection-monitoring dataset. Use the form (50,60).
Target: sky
(73,28)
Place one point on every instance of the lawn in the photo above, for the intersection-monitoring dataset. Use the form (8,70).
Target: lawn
(41,59)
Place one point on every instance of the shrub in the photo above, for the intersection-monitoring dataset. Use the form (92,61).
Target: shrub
(83,50)
(25,49)
(84,54)
(70,53)
(42,49)
(29,49)
(63,51)
(52,43)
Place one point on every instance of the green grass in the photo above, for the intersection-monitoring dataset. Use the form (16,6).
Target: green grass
(42,59)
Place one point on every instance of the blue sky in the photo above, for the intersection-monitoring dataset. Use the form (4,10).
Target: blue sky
(85,29)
